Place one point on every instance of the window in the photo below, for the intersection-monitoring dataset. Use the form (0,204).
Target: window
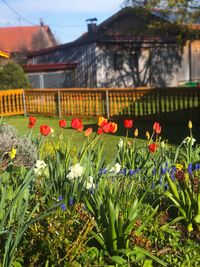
(118,61)
(134,60)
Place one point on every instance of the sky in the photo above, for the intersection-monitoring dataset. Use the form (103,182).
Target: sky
(66,18)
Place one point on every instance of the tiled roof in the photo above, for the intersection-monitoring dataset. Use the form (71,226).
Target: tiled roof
(16,38)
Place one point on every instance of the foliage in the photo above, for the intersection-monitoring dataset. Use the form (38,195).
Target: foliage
(116,211)
(181,7)
(74,209)
(18,210)
(12,76)
(69,230)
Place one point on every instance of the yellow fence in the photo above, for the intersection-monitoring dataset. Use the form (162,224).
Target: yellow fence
(11,102)
(109,102)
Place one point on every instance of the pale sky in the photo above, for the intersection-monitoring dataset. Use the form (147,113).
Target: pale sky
(66,18)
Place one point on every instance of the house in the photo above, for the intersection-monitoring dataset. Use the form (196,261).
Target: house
(131,48)
(26,38)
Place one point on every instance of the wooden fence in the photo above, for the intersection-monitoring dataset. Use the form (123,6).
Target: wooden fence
(139,102)
(12,102)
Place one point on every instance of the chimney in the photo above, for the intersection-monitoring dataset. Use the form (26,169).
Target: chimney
(41,22)
(92,26)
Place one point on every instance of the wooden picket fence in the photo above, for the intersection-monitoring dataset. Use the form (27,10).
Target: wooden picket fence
(109,102)
(12,102)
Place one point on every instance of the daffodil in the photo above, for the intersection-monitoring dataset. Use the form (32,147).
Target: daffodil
(179,166)
(12,153)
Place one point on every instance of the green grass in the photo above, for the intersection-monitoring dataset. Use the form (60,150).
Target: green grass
(173,132)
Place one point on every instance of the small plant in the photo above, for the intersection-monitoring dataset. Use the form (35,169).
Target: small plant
(14,150)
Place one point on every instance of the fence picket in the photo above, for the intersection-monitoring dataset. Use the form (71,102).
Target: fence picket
(99,101)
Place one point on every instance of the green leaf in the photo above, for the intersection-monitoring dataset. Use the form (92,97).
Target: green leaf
(173,187)
(112,214)
(119,260)
(148,254)
(147,263)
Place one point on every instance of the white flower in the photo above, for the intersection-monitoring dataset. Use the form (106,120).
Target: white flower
(116,168)
(75,171)
(121,143)
(188,139)
(40,167)
(89,184)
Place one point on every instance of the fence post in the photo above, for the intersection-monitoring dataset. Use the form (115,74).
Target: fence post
(24,103)
(107,105)
(59,106)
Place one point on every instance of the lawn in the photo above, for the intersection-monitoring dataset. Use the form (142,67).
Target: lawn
(174,132)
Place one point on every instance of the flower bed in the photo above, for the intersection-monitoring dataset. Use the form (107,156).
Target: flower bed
(62,205)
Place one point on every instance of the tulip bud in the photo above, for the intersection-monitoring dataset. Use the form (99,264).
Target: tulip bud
(190,124)
(88,132)
(190,227)
(162,144)
(136,132)
(147,135)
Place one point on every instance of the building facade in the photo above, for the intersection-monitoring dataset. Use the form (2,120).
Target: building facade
(127,51)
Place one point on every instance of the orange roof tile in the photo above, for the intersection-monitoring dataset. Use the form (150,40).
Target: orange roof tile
(15,38)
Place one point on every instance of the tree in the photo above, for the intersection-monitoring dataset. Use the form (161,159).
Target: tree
(12,76)
(186,10)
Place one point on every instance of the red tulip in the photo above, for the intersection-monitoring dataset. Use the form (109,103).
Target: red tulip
(100,131)
(128,124)
(62,123)
(32,122)
(106,128)
(109,127)
(45,130)
(157,127)
(152,147)
(77,124)
(113,127)
(88,132)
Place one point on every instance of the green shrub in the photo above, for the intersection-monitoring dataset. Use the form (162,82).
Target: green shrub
(12,76)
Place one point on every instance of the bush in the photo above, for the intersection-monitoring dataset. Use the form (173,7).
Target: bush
(12,76)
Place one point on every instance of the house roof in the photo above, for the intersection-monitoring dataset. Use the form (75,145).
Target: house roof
(100,34)
(14,39)
(4,54)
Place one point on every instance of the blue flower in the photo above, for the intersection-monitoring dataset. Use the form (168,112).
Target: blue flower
(163,170)
(152,185)
(60,198)
(71,201)
(172,173)
(123,171)
(63,206)
(190,168)
(166,186)
(131,172)
(197,166)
